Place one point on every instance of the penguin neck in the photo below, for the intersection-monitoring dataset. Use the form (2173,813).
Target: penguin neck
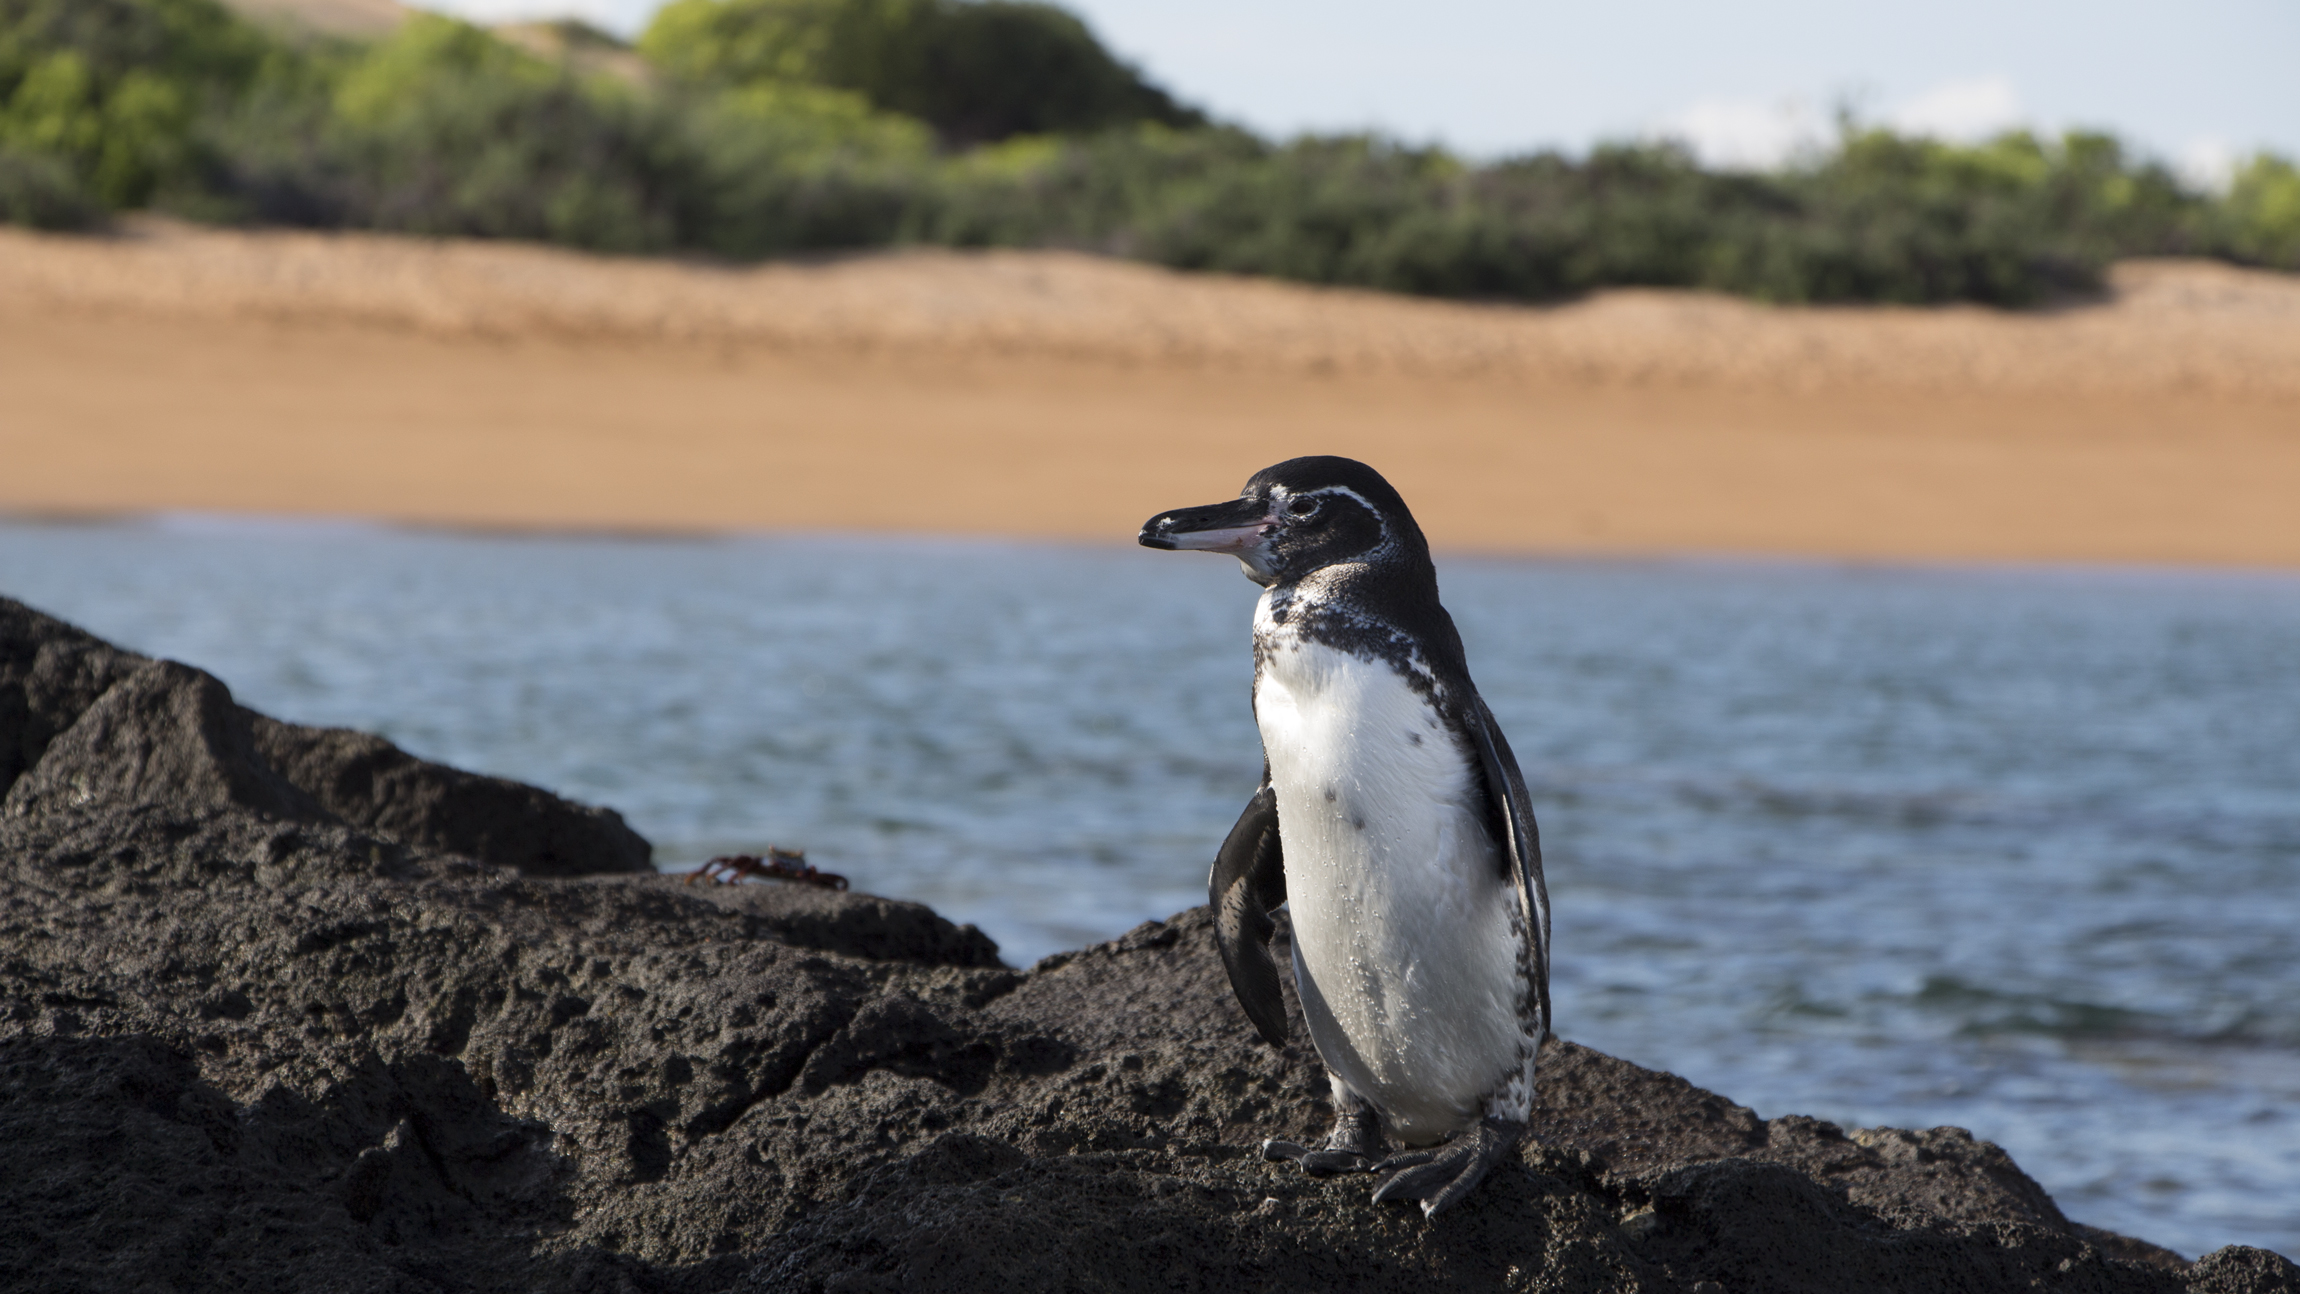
(1368,612)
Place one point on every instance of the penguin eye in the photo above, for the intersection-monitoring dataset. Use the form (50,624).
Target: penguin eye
(1303,507)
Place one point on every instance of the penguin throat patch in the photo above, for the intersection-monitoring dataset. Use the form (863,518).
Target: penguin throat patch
(1290,615)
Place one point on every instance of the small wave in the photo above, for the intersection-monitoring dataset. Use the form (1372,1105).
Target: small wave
(1985,1011)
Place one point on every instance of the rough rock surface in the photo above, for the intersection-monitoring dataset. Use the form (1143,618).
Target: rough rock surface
(291,1010)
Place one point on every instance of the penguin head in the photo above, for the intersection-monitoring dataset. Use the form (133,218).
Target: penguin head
(1299,517)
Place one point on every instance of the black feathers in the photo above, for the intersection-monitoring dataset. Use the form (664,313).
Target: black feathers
(1510,815)
(1248,884)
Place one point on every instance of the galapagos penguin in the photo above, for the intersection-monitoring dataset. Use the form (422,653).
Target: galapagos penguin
(1393,821)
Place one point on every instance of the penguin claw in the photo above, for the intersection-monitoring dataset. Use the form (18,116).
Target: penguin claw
(1317,1163)
(1328,1163)
(1436,1182)
(1441,1178)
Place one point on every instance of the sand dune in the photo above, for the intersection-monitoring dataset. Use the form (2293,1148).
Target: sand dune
(1053,394)
(2169,327)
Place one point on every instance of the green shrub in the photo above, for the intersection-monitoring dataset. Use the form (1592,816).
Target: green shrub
(1884,219)
(777,167)
(443,129)
(976,70)
(111,89)
(775,126)
(40,190)
(2260,219)
(743,42)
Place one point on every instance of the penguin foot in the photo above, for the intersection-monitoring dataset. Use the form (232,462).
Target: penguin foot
(1349,1148)
(1441,1178)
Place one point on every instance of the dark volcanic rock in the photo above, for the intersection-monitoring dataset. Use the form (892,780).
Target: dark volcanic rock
(131,730)
(166,733)
(49,674)
(370,783)
(286,1009)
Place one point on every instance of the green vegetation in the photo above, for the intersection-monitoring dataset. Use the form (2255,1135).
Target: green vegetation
(2260,220)
(1882,219)
(749,128)
(975,70)
(100,99)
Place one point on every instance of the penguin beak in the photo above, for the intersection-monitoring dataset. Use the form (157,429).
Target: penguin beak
(1236,527)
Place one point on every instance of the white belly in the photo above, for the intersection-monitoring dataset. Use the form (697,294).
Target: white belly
(1408,969)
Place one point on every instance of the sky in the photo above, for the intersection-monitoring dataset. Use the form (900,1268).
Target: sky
(1747,83)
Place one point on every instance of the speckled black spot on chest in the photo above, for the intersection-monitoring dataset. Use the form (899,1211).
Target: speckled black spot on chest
(1368,640)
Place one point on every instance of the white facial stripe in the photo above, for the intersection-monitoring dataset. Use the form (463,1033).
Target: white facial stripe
(1280,494)
(1348,493)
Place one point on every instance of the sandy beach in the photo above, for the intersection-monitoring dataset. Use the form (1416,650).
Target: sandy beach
(1049,394)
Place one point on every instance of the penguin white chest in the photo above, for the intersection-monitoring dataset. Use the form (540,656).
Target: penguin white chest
(1410,970)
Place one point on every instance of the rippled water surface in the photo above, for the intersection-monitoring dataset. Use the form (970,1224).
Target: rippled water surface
(2017,851)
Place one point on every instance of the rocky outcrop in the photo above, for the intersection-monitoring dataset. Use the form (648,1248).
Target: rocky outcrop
(82,722)
(291,1010)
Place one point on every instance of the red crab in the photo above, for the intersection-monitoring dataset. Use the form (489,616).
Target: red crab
(778,865)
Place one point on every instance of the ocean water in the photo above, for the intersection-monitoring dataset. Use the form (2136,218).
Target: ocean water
(2016,850)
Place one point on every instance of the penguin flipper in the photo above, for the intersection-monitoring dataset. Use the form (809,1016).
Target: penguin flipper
(1512,809)
(1247,885)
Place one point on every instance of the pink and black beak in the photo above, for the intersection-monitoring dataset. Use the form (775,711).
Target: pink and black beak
(1232,527)
(1241,527)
